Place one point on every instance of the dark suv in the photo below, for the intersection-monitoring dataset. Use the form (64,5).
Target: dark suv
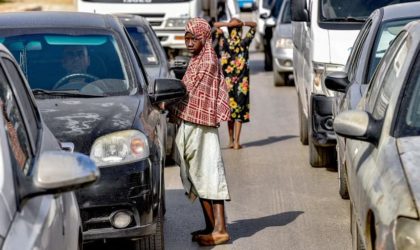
(92,90)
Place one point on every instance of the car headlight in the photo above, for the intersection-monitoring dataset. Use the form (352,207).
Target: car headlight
(120,147)
(284,43)
(407,234)
(176,22)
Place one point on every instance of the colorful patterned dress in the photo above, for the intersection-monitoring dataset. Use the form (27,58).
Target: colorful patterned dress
(234,59)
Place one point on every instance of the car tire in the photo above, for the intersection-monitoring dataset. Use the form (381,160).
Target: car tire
(303,124)
(155,241)
(342,180)
(280,79)
(321,156)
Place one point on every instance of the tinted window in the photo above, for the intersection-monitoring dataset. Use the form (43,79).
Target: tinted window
(71,60)
(346,10)
(143,43)
(15,127)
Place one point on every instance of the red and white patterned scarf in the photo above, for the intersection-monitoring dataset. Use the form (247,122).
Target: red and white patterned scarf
(207,102)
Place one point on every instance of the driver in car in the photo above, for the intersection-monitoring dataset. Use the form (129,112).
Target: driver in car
(75,61)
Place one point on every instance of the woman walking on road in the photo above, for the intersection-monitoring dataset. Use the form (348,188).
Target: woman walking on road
(234,59)
(197,140)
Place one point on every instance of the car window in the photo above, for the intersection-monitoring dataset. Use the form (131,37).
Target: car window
(350,10)
(353,61)
(286,16)
(388,83)
(409,110)
(15,128)
(379,75)
(386,35)
(71,60)
(28,110)
(143,43)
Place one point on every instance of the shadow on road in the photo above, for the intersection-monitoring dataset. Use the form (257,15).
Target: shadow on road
(268,140)
(248,227)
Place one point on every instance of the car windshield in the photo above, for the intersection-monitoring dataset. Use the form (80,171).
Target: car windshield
(352,11)
(70,60)
(386,35)
(148,55)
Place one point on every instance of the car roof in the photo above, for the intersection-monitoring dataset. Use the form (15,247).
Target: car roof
(132,20)
(56,19)
(399,11)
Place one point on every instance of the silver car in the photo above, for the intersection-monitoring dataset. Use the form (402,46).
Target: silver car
(37,209)
(282,46)
(383,150)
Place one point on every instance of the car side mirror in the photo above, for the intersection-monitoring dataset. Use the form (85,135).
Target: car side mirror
(179,66)
(359,125)
(167,90)
(299,11)
(337,81)
(59,171)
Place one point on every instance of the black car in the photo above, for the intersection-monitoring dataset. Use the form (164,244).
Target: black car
(375,37)
(154,60)
(92,90)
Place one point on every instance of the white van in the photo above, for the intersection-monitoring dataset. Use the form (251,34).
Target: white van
(323,35)
(167,17)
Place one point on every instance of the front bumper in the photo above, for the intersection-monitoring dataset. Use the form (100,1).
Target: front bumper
(322,131)
(173,39)
(283,60)
(126,187)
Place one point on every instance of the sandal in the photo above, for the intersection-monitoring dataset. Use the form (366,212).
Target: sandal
(211,240)
(197,233)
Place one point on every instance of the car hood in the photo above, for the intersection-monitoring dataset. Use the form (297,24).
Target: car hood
(409,151)
(81,121)
(341,43)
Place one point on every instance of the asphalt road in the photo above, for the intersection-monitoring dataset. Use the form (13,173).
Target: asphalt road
(278,200)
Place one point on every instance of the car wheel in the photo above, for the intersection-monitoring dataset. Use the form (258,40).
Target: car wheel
(155,241)
(303,124)
(342,180)
(321,156)
(280,79)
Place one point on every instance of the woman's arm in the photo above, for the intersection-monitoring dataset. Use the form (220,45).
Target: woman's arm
(220,24)
(250,24)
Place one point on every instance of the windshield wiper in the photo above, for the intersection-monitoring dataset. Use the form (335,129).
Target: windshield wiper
(64,93)
(346,19)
